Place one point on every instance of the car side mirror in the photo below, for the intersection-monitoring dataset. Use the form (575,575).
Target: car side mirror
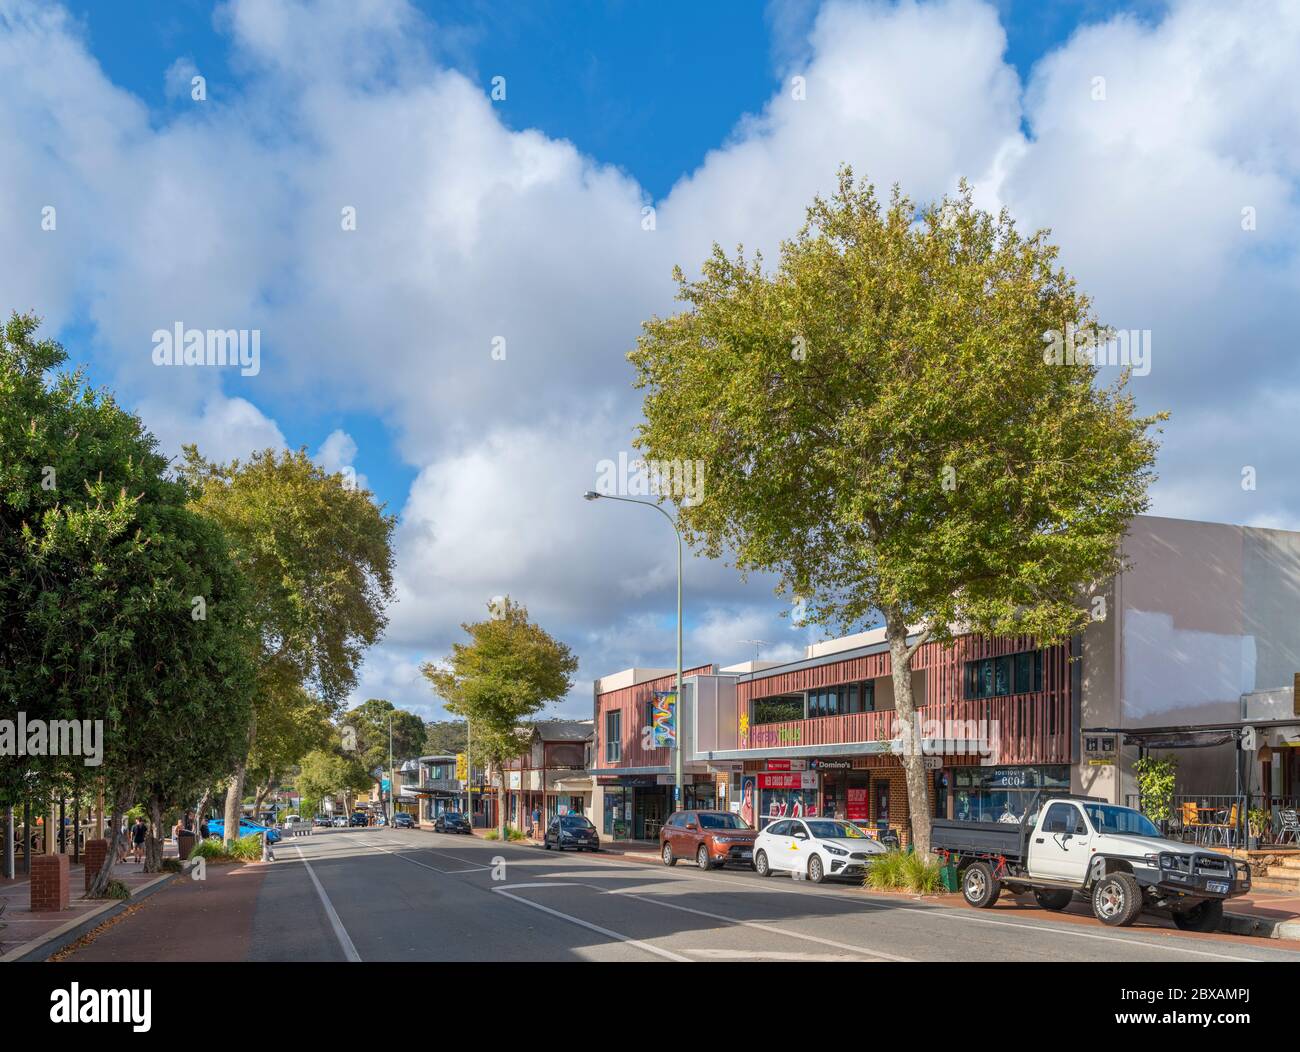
(691,825)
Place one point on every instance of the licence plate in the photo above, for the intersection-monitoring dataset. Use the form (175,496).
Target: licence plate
(1216,886)
(747,854)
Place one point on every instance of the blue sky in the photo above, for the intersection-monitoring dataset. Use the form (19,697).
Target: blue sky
(521,220)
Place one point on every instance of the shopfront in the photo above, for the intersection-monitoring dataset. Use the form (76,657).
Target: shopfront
(845,790)
(995,794)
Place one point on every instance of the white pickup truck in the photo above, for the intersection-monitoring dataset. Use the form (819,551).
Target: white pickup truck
(1114,854)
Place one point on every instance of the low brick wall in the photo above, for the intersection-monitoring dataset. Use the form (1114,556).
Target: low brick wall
(93,856)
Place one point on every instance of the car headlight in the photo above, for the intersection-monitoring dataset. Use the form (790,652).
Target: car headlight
(1152,860)
(832,849)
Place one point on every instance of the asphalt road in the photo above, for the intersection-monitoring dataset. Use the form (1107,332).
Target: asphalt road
(410,895)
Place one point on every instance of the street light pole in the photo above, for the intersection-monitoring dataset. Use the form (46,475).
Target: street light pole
(391,802)
(680,800)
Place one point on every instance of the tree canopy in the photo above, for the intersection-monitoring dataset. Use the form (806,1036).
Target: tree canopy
(879,425)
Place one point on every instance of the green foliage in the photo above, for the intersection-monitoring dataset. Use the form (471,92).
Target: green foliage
(514,834)
(212,849)
(877,425)
(1259,821)
(508,672)
(247,848)
(445,737)
(905,871)
(318,555)
(173,865)
(1155,778)
(102,562)
(370,721)
(323,772)
(117,889)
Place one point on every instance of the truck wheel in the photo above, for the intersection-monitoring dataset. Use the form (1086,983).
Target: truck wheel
(1053,898)
(1204,916)
(1117,899)
(979,886)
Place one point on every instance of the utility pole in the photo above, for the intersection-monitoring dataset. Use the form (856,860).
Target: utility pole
(391,805)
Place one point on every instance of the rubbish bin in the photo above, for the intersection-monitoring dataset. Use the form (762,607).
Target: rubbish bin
(184,844)
(948,875)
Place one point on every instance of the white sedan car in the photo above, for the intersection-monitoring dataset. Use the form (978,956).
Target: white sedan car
(815,848)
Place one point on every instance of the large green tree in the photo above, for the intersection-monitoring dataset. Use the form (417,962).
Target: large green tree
(118,605)
(372,722)
(508,672)
(289,727)
(880,426)
(445,737)
(333,772)
(317,553)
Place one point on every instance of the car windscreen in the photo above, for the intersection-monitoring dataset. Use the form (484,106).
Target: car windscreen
(574,822)
(721,820)
(1109,818)
(835,831)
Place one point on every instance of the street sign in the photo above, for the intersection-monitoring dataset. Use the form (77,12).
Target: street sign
(462,767)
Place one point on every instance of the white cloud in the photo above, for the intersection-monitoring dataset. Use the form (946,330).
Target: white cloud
(228,215)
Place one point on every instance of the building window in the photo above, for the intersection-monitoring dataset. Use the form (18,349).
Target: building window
(778,709)
(613,736)
(997,677)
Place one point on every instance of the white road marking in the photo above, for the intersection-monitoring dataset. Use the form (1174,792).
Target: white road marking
(609,933)
(859,950)
(958,913)
(445,872)
(340,932)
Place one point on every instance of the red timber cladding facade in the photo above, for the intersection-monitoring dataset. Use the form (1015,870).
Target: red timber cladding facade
(631,702)
(1033,728)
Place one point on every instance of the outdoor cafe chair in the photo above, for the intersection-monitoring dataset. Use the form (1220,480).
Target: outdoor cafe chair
(1290,825)
(1224,825)
(1192,822)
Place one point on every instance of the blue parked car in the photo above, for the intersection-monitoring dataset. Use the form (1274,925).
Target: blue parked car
(217,828)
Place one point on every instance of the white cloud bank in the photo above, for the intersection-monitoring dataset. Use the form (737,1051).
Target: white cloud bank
(494,280)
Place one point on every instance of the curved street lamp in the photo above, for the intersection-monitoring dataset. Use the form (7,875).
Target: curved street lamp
(680,800)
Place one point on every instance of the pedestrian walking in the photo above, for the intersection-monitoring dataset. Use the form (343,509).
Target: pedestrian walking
(537,823)
(267,854)
(138,832)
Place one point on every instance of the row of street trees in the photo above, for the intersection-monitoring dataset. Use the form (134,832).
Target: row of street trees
(212,617)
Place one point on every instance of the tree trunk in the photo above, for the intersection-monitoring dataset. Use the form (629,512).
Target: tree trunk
(199,811)
(262,791)
(100,884)
(153,845)
(918,798)
(235,788)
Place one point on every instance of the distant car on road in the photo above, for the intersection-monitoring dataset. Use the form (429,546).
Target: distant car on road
(322,821)
(710,838)
(452,822)
(571,831)
(217,828)
(816,848)
(358,819)
(402,820)
(340,822)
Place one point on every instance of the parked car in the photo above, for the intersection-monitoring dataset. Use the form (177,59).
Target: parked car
(1114,855)
(322,821)
(711,838)
(340,822)
(815,848)
(402,820)
(217,828)
(452,822)
(571,831)
(358,819)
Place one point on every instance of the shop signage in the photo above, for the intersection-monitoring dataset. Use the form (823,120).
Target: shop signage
(787,765)
(831,765)
(1100,750)
(857,803)
(793,780)
(932,763)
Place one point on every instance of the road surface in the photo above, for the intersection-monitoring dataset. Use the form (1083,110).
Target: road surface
(412,895)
